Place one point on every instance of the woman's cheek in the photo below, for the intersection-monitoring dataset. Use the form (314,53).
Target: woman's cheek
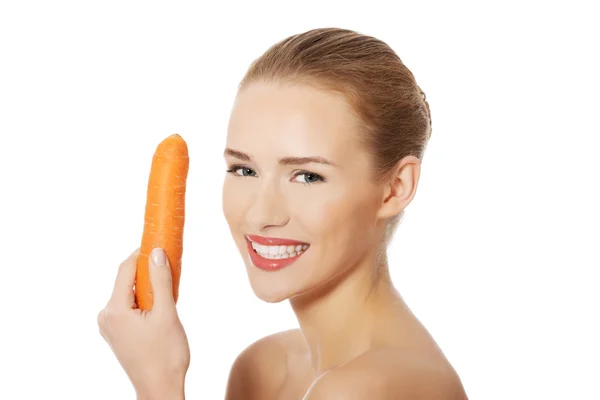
(327,210)
(231,201)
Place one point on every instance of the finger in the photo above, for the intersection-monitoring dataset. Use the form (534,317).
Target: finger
(133,300)
(122,295)
(161,280)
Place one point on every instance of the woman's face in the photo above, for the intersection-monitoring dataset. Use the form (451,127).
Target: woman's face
(299,173)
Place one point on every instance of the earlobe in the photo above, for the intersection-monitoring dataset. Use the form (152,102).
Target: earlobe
(401,187)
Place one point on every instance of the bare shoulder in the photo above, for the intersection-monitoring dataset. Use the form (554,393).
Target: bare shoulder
(390,374)
(260,370)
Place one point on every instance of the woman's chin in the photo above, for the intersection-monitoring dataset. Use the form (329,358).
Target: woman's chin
(270,296)
(277,286)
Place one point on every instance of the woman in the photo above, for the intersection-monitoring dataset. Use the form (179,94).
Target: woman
(323,155)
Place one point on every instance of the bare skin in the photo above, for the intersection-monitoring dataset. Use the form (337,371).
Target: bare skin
(151,346)
(394,359)
(357,337)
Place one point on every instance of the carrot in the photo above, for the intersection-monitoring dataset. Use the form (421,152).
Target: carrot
(164,215)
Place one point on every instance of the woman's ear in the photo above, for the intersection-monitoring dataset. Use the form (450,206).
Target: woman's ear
(401,187)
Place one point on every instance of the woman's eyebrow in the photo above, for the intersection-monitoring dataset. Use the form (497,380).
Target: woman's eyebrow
(283,161)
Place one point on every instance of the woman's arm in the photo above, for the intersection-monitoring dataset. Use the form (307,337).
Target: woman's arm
(168,393)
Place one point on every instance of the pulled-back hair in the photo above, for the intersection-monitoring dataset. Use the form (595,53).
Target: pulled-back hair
(382,91)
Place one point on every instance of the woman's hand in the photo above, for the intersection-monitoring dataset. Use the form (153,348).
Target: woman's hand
(151,346)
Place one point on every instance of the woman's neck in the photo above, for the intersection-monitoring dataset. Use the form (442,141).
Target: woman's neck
(338,320)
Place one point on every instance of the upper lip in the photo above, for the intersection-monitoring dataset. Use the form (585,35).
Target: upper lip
(272,241)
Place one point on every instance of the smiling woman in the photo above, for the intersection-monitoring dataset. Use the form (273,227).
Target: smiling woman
(323,155)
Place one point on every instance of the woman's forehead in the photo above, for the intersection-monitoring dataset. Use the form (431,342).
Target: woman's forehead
(268,104)
(299,115)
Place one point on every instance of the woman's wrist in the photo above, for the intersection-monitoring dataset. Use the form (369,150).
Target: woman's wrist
(172,392)
(169,395)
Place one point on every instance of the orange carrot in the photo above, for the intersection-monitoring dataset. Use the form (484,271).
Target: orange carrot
(164,215)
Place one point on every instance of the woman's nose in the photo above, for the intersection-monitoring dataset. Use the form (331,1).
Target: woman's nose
(268,208)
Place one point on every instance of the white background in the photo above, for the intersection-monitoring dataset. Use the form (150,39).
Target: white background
(497,254)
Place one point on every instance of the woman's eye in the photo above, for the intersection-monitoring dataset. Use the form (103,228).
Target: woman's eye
(301,177)
(241,171)
(309,177)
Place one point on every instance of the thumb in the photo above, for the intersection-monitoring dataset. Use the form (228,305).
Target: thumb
(161,279)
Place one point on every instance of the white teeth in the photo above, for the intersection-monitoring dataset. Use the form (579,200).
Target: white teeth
(280,251)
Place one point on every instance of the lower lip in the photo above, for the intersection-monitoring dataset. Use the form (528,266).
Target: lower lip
(268,264)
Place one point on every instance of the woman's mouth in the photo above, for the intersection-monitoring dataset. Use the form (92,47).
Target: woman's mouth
(279,253)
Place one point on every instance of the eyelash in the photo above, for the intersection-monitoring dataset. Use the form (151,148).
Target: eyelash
(235,167)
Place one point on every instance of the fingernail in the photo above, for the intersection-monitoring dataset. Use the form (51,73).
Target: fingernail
(158,257)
